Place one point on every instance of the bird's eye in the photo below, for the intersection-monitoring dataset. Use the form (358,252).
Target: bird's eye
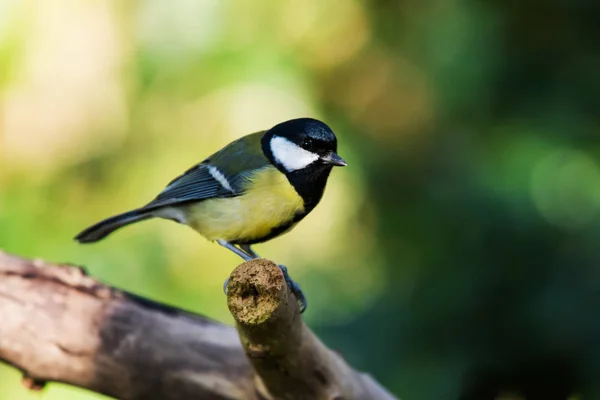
(307,144)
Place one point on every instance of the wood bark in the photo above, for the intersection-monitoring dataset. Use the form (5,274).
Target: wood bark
(58,324)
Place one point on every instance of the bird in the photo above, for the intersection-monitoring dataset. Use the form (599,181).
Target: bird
(254,189)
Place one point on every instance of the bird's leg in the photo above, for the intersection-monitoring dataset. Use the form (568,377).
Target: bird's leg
(245,256)
(240,252)
(295,288)
(248,249)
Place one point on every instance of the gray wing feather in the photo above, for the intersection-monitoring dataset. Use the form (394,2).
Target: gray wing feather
(195,184)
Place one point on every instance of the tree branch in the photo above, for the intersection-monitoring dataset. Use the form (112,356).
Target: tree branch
(292,361)
(58,324)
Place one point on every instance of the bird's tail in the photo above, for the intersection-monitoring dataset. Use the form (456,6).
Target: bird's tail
(106,227)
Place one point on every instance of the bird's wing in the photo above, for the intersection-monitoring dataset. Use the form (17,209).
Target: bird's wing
(224,174)
(197,183)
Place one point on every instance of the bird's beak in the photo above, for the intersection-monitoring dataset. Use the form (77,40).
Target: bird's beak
(333,159)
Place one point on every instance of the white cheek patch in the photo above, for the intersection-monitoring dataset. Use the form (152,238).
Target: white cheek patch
(290,155)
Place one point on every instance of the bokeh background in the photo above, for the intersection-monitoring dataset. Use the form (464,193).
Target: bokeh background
(457,256)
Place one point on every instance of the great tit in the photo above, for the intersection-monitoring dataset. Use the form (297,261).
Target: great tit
(254,189)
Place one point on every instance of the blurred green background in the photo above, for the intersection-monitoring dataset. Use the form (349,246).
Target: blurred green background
(456,256)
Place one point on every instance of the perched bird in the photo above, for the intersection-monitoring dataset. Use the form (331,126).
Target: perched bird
(253,190)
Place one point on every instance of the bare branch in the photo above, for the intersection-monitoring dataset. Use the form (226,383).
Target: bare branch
(57,324)
(293,363)
(60,325)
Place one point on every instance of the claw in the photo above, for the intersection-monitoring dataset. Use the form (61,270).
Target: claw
(295,288)
(225,285)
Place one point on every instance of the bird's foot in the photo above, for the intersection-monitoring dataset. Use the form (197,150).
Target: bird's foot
(225,285)
(295,288)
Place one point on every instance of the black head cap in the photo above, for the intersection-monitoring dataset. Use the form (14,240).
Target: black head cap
(308,133)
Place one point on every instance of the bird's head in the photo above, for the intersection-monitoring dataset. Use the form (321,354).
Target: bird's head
(302,145)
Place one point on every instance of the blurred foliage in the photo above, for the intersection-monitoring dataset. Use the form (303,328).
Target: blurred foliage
(457,255)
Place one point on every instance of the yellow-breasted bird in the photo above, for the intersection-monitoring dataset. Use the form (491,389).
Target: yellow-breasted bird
(253,190)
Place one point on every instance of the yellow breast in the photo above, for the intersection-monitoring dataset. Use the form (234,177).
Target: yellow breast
(270,202)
